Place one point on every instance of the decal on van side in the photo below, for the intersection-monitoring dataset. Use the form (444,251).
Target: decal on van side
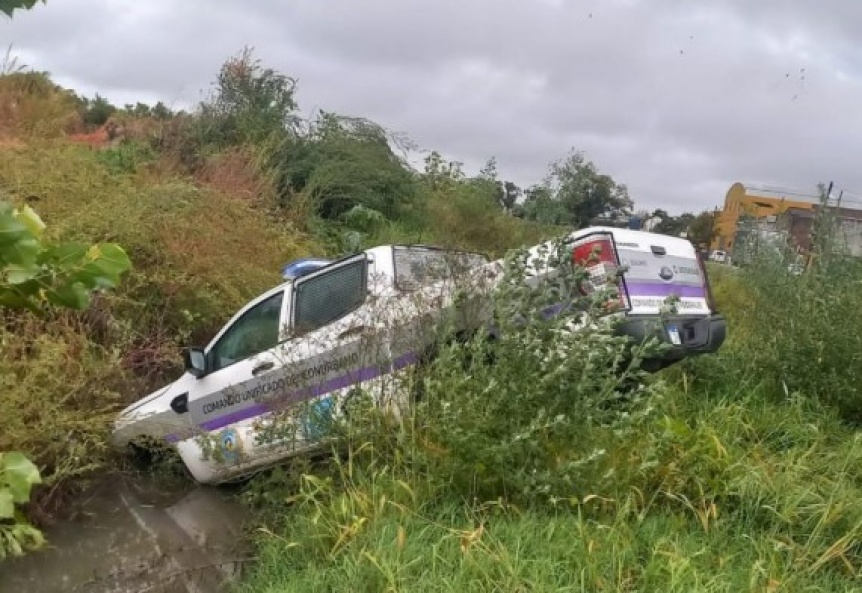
(264,395)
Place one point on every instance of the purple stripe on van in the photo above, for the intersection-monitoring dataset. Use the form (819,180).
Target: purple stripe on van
(660,289)
(334,384)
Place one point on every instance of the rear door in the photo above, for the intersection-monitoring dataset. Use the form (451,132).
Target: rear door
(660,266)
(332,349)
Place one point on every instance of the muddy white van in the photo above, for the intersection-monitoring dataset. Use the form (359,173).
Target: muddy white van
(362,321)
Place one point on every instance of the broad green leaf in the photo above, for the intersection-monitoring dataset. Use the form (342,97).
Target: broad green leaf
(23,252)
(20,474)
(18,274)
(12,230)
(33,273)
(7,504)
(66,254)
(28,217)
(8,6)
(73,295)
(17,462)
(19,488)
(107,263)
(14,544)
(92,276)
(113,259)
(14,299)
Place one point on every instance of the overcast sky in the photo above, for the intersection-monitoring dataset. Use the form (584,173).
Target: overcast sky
(676,98)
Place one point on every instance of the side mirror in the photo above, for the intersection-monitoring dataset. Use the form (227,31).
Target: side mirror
(195,361)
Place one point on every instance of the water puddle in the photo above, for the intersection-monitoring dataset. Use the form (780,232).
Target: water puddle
(137,535)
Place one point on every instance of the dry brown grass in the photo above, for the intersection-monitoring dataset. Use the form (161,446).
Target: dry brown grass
(236,173)
(33,106)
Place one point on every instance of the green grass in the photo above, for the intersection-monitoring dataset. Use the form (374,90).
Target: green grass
(752,496)
(544,552)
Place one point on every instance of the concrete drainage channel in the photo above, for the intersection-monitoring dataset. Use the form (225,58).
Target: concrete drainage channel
(134,535)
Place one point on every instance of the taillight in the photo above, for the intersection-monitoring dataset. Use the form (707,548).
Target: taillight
(597,254)
(710,302)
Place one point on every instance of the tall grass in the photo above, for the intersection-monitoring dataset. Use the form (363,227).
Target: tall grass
(793,333)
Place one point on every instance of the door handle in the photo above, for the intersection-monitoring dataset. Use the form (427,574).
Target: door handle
(357,329)
(262,367)
(180,404)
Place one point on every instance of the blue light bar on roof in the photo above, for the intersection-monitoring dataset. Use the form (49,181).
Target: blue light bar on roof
(301,267)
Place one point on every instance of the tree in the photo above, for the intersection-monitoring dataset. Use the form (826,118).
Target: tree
(440,173)
(701,230)
(96,111)
(343,162)
(672,225)
(250,104)
(509,196)
(489,171)
(541,205)
(161,111)
(8,6)
(576,194)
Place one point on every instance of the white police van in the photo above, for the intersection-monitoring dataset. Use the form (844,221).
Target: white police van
(363,320)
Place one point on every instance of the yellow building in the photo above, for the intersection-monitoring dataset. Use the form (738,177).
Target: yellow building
(760,203)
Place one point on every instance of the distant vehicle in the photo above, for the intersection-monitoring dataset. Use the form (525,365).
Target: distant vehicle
(363,320)
(719,256)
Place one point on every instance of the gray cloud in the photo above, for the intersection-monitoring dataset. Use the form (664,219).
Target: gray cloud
(676,99)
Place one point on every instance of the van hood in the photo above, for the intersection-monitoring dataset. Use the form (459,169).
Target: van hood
(138,406)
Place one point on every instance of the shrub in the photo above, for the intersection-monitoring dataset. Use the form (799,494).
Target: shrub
(342,163)
(250,105)
(792,333)
(127,157)
(519,426)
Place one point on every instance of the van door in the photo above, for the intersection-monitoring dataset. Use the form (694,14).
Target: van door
(334,348)
(242,358)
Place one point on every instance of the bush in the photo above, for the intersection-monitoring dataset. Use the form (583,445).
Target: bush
(519,427)
(792,333)
(250,105)
(342,163)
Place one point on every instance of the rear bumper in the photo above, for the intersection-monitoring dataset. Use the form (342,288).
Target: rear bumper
(697,334)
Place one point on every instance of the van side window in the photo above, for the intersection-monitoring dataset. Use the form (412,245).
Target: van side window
(254,332)
(329,296)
